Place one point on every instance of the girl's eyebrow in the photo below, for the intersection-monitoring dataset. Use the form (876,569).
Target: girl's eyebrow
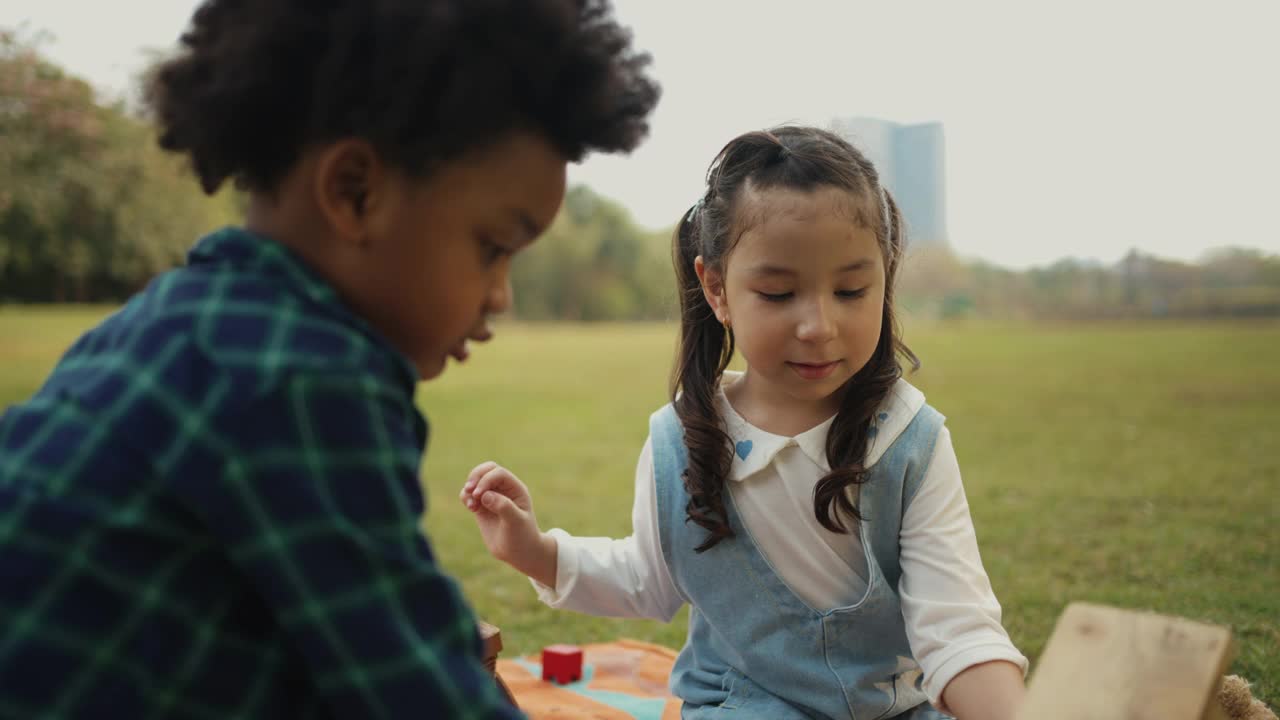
(767,270)
(861,264)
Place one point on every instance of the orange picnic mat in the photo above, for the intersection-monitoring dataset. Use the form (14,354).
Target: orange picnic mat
(622,680)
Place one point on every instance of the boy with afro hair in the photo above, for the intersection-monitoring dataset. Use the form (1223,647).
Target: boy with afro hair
(211,508)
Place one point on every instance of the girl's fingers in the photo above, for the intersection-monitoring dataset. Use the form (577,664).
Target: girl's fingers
(490,477)
(500,505)
(479,471)
(498,479)
(468,491)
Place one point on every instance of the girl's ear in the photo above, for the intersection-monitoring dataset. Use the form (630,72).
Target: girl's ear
(712,282)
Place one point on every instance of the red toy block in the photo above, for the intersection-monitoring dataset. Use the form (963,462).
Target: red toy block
(562,662)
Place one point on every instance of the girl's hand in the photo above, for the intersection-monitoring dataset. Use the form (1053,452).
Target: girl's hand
(503,510)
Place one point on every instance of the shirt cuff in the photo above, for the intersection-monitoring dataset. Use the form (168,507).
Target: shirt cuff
(567,564)
(965,659)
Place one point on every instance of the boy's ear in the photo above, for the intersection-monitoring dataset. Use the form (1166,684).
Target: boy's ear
(348,182)
(712,282)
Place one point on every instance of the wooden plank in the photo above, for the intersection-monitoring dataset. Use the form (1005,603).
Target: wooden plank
(492,639)
(1103,663)
(1214,710)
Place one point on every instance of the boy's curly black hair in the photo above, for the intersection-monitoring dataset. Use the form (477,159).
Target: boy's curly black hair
(258,81)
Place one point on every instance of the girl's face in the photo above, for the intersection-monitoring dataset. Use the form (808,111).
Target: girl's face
(803,290)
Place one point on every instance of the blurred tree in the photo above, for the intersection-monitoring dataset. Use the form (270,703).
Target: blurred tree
(90,207)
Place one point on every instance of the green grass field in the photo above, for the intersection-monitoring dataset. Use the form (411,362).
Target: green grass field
(1132,465)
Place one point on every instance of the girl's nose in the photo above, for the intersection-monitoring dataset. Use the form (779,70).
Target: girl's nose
(817,324)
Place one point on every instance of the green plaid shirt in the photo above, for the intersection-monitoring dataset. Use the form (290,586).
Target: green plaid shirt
(211,510)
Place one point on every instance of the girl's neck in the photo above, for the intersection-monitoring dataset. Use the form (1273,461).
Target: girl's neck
(777,413)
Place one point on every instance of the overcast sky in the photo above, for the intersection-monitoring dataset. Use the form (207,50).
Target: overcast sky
(1073,129)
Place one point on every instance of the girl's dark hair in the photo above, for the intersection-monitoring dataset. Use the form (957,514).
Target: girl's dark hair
(794,158)
(258,81)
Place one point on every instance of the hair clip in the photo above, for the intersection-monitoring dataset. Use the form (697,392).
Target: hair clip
(884,209)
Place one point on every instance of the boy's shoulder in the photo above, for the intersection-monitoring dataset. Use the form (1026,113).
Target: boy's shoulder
(250,323)
(240,323)
(219,334)
(202,357)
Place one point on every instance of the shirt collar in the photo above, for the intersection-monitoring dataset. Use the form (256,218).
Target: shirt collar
(246,251)
(755,449)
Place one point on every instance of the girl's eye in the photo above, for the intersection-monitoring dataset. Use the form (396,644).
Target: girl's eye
(850,294)
(775,297)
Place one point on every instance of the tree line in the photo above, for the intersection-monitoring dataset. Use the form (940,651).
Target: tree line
(91,209)
(1225,282)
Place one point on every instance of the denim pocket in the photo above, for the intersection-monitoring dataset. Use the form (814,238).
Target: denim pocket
(735,685)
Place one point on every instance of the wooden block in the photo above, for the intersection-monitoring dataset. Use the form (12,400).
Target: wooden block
(1103,663)
(492,639)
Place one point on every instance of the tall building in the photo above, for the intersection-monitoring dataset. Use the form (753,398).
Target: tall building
(912,164)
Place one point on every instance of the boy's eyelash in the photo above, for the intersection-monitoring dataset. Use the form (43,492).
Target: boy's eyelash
(851,293)
(775,297)
(492,250)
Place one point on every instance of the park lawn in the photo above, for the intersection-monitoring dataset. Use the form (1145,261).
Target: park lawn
(1135,465)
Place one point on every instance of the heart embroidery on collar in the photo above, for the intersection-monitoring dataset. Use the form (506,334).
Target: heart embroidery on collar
(743,448)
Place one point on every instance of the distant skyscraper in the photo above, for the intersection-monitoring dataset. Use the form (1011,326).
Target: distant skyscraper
(912,164)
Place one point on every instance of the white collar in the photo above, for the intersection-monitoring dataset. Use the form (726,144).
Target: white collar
(755,449)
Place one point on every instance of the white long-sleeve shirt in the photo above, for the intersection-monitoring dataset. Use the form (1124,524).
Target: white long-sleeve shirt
(951,613)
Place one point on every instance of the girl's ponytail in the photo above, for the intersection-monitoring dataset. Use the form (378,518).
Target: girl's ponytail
(702,355)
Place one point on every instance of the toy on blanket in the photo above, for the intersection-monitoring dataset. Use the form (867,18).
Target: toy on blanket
(621,680)
(1239,703)
(562,663)
(1145,666)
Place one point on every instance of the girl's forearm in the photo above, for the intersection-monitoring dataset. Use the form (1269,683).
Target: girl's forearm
(989,691)
(538,560)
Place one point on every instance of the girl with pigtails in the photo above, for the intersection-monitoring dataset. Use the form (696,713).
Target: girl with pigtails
(809,508)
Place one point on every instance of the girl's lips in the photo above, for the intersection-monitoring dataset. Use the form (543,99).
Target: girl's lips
(812,371)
